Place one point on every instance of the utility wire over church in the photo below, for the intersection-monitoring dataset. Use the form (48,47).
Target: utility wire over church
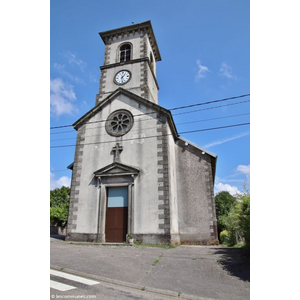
(160,189)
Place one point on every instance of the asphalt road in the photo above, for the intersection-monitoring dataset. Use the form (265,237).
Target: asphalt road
(100,290)
(190,272)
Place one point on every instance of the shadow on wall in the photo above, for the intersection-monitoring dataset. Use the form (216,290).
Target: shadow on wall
(58,232)
(236,261)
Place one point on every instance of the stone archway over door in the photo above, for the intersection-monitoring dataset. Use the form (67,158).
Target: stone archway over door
(116,214)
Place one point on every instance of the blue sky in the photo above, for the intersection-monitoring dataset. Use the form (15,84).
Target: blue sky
(205,50)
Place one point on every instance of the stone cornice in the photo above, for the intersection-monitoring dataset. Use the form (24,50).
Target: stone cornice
(128,62)
(131,62)
(105,35)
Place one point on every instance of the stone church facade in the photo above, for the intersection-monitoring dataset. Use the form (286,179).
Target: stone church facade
(132,172)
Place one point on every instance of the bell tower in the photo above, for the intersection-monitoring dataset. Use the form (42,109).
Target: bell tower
(130,58)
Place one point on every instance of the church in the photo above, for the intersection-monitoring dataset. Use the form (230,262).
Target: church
(132,172)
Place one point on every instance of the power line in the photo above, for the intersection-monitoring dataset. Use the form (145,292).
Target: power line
(214,101)
(175,108)
(217,118)
(221,127)
(192,111)
(196,121)
(154,136)
(187,112)
(62,132)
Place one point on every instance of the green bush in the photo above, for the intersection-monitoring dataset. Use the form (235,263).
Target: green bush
(59,206)
(234,218)
(224,237)
(244,218)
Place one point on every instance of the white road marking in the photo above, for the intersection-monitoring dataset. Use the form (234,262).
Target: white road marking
(73,277)
(61,286)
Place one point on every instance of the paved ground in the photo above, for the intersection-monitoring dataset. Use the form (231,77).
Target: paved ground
(187,271)
(78,288)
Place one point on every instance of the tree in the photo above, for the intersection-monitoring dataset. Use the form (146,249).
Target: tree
(59,206)
(224,203)
(232,225)
(244,216)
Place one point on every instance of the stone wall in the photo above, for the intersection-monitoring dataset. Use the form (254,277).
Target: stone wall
(196,208)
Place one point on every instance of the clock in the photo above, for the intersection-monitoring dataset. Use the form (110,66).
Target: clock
(122,77)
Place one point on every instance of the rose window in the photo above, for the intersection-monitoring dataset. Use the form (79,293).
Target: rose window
(119,122)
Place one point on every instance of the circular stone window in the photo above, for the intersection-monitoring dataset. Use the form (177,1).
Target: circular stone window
(119,122)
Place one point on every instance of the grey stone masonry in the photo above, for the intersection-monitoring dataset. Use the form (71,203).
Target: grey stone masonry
(75,182)
(143,46)
(144,80)
(107,54)
(210,196)
(144,68)
(103,79)
(163,178)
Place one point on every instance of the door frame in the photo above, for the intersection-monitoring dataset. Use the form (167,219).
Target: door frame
(103,198)
(115,175)
(107,194)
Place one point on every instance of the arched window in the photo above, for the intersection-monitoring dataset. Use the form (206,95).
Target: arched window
(125,52)
(151,62)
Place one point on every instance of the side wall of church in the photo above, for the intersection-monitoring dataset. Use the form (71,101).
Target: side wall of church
(196,208)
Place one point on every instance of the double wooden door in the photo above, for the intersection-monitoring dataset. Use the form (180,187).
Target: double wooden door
(116,214)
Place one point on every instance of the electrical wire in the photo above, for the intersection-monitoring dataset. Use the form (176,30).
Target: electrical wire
(131,139)
(178,124)
(175,108)
(192,111)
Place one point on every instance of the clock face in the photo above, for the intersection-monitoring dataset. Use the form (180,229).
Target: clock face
(122,77)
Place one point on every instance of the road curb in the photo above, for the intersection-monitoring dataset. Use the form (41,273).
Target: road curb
(130,285)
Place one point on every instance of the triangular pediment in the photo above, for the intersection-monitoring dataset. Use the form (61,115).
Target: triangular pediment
(116,169)
(161,110)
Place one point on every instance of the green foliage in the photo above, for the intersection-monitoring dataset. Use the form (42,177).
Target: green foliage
(224,237)
(224,202)
(233,215)
(137,244)
(233,226)
(59,206)
(244,217)
(157,260)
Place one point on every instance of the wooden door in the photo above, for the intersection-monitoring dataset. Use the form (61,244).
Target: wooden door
(116,214)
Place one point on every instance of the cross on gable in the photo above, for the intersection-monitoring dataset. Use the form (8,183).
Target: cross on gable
(117,149)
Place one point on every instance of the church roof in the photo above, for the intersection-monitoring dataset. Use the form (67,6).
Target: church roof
(197,146)
(131,28)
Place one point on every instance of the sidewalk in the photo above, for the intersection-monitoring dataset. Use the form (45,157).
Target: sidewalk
(202,271)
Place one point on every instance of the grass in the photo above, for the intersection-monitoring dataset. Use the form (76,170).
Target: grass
(240,245)
(157,259)
(157,246)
